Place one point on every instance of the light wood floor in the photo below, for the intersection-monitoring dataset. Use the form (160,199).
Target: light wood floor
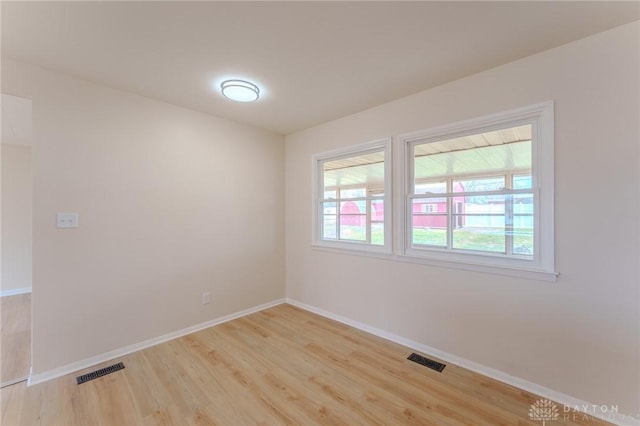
(15,338)
(279,366)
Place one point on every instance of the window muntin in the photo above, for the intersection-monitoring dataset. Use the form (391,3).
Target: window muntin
(353,209)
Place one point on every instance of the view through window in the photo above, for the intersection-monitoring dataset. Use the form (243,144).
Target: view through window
(353,186)
(474,193)
(353,202)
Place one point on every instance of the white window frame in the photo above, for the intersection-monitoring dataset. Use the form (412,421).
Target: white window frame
(318,195)
(542,265)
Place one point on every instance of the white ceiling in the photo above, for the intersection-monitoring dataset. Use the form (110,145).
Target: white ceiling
(315,61)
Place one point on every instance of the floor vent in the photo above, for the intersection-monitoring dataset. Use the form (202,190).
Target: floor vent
(99,373)
(434,365)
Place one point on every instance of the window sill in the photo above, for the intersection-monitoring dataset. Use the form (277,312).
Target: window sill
(510,271)
(350,247)
(382,254)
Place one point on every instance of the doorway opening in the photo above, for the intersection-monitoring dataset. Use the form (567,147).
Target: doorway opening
(16,278)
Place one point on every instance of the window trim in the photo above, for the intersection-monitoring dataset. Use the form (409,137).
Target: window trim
(541,116)
(377,145)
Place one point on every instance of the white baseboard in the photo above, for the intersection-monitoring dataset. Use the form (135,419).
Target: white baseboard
(15,291)
(575,405)
(37,378)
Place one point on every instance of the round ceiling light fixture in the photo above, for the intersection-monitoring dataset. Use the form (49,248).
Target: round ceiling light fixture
(240,90)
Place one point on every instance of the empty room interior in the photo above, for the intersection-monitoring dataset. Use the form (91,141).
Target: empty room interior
(241,213)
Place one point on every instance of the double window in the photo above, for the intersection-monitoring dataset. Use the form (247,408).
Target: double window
(476,195)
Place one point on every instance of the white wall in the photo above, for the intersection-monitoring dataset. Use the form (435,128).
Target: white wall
(16,218)
(172,203)
(580,335)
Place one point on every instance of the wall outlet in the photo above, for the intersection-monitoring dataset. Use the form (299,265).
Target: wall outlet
(205,298)
(67,220)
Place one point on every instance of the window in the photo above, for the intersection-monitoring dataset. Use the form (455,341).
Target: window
(476,195)
(481,192)
(352,197)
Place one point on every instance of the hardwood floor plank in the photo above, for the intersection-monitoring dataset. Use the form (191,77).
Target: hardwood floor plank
(281,366)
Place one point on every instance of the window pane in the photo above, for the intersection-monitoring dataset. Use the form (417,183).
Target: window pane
(353,193)
(429,221)
(429,208)
(429,212)
(479,221)
(523,225)
(523,204)
(521,181)
(480,184)
(430,187)
(377,210)
(523,221)
(359,170)
(329,220)
(329,226)
(329,194)
(377,233)
(353,207)
(353,227)
(523,238)
(430,236)
(329,208)
(482,238)
(480,154)
(481,205)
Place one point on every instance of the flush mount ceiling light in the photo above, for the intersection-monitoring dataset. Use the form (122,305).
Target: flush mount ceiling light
(240,90)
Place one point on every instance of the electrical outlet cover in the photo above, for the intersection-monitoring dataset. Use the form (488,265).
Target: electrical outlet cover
(67,220)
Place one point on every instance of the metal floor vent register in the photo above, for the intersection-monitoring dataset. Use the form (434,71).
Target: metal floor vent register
(434,365)
(99,373)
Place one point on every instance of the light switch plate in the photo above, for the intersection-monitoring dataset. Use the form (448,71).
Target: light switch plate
(67,220)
